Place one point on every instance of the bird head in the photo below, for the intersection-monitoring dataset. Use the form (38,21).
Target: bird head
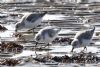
(37,37)
(88,23)
(75,44)
(18,26)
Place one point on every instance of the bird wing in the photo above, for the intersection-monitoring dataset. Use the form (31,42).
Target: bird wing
(84,35)
(49,32)
(33,17)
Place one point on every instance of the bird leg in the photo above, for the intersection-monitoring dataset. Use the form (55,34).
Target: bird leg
(35,48)
(48,45)
(36,44)
(32,30)
(48,53)
(85,48)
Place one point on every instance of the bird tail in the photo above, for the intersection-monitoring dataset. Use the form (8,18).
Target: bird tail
(93,29)
(45,12)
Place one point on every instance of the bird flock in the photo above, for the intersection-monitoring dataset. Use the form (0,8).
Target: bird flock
(49,33)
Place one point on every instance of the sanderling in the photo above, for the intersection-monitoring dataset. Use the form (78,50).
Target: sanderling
(47,34)
(82,38)
(29,21)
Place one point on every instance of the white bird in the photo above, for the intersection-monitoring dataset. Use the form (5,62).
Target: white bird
(82,39)
(29,21)
(47,34)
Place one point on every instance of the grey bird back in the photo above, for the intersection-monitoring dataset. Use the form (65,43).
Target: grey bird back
(34,17)
(50,32)
(86,34)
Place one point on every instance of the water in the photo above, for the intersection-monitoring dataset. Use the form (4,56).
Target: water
(69,27)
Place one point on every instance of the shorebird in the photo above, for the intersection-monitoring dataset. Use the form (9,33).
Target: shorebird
(29,21)
(47,34)
(82,38)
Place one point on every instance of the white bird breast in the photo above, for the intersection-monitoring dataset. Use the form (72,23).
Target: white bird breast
(46,38)
(49,39)
(84,43)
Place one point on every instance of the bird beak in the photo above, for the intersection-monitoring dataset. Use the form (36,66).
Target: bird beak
(72,49)
(15,30)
